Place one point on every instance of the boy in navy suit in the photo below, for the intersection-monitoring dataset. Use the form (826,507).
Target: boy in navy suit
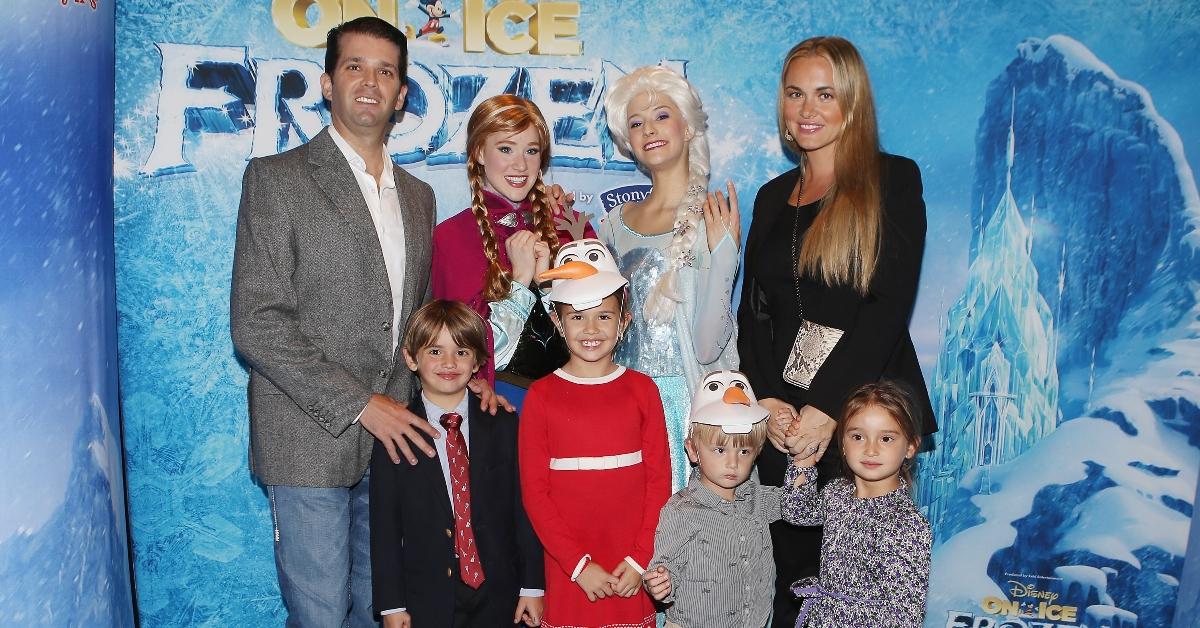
(451,546)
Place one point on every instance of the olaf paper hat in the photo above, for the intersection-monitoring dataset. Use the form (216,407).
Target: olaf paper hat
(725,399)
(584,274)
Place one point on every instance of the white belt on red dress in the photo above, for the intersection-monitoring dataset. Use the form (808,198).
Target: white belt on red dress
(595,463)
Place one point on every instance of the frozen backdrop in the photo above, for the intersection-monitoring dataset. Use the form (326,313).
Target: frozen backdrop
(63,537)
(1057,321)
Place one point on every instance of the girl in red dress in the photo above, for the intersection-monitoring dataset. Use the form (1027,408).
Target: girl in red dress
(595,468)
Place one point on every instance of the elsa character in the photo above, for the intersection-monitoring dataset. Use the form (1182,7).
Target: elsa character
(678,246)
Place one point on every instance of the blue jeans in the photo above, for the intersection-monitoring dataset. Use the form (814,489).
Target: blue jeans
(323,554)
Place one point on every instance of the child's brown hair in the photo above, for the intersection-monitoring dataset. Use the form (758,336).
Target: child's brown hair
(891,397)
(463,323)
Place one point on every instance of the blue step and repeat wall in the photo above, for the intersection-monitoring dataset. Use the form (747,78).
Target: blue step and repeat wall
(1057,321)
(63,536)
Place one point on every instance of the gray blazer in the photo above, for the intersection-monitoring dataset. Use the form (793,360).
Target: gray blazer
(311,310)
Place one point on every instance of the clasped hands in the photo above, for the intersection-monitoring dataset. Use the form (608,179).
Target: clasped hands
(803,433)
(599,584)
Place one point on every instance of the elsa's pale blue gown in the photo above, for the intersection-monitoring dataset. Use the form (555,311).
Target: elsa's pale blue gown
(700,339)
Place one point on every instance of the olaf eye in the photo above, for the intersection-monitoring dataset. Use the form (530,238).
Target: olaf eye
(568,258)
(741,385)
(594,256)
(713,386)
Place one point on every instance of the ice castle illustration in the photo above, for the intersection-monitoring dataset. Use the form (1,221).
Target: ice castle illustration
(995,387)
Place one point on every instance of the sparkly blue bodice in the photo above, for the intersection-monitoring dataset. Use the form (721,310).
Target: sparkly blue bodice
(651,349)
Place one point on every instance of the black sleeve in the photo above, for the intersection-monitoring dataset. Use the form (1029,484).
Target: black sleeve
(387,533)
(531,570)
(755,332)
(882,321)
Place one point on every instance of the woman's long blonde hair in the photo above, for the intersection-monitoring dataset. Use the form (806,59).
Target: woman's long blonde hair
(661,82)
(507,114)
(842,245)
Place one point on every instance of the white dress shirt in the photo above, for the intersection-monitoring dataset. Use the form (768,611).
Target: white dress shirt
(384,205)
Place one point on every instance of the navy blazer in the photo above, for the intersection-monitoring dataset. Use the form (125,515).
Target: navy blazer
(413,562)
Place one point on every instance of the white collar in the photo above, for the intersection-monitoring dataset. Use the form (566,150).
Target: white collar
(387,179)
(591,381)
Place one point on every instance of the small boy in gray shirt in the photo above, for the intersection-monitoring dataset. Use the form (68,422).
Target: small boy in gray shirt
(712,562)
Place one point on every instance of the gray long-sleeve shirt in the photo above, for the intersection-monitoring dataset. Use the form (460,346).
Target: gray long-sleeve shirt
(719,555)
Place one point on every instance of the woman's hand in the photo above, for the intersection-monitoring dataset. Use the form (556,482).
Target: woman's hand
(810,434)
(560,201)
(782,414)
(520,247)
(721,216)
(489,401)
(542,258)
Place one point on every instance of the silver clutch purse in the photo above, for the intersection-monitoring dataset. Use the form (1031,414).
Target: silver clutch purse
(813,344)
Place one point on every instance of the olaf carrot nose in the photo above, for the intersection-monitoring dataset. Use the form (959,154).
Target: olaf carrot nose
(570,270)
(735,395)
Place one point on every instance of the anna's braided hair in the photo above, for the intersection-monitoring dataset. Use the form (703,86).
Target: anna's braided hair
(507,114)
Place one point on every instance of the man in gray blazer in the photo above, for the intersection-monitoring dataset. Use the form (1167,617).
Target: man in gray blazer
(332,256)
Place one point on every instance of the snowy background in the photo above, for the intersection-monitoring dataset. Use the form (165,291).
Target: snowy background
(63,537)
(1056,321)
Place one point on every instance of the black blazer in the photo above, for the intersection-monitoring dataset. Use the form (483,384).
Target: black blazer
(876,343)
(413,564)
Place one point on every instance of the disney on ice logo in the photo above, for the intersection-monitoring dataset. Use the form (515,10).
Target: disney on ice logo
(552,26)
(1030,608)
(91,3)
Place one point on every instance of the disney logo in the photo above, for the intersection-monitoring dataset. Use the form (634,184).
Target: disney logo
(1020,589)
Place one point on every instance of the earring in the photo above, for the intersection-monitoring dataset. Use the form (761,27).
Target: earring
(787,135)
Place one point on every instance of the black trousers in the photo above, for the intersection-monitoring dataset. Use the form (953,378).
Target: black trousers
(485,607)
(797,549)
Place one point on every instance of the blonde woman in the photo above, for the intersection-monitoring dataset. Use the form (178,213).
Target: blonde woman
(832,262)
(678,246)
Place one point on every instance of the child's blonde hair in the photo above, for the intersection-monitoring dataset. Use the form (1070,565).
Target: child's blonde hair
(714,435)
(463,323)
(894,399)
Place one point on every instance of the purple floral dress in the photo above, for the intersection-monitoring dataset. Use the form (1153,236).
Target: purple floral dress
(874,555)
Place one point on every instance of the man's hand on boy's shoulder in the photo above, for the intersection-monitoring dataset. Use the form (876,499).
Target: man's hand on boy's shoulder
(396,427)
(397,620)
(529,611)
(489,401)
(658,582)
